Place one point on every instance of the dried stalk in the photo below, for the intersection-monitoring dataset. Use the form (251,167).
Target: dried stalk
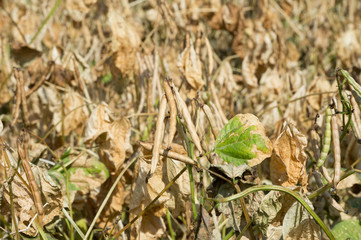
(20,77)
(169,154)
(336,149)
(325,174)
(17,103)
(173,112)
(24,156)
(188,120)
(42,80)
(326,194)
(158,136)
(217,103)
(210,56)
(212,121)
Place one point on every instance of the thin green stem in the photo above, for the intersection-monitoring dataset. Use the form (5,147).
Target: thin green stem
(189,147)
(244,230)
(52,11)
(329,185)
(135,157)
(294,194)
(67,179)
(169,221)
(151,203)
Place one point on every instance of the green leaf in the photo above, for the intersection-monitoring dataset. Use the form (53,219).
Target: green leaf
(347,229)
(243,141)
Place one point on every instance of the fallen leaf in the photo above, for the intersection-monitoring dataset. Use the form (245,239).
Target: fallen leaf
(74,113)
(189,64)
(24,205)
(142,195)
(288,161)
(126,40)
(249,73)
(298,224)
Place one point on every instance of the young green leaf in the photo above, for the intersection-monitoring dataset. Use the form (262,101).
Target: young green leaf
(243,141)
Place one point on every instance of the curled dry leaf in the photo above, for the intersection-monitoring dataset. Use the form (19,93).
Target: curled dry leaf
(113,139)
(189,64)
(150,225)
(228,17)
(24,205)
(225,77)
(318,85)
(248,73)
(75,114)
(288,161)
(271,85)
(125,43)
(78,9)
(98,123)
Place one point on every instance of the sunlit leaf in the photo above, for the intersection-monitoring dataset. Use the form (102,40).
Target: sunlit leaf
(348,229)
(243,141)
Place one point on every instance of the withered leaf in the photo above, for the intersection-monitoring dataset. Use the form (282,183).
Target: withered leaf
(288,161)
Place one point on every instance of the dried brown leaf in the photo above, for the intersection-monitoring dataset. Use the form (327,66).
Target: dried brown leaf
(75,112)
(189,64)
(288,162)
(24,205)
(142,195)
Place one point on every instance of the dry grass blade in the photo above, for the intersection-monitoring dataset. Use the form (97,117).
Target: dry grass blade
(158,136)
(172,110)
(24,156)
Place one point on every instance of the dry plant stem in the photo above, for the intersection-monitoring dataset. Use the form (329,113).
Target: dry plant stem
(132,159)
(325,174)
(17,103)
(336,150)
(217,103)
(80,80)
(329,185)
(188,120)
(24,156)
(326,194)
(169,154)
(42,80)
(315,144)
(20,77)
(212,121)
(158,136)
(210,56)
(173,112)
(152,202)
(13,216)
